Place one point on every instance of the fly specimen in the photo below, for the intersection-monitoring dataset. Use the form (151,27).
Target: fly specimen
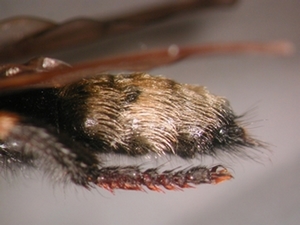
(63,118)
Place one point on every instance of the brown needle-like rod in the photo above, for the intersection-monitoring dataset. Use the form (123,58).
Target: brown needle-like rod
(60,74)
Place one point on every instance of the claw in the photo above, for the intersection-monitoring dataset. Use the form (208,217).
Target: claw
(219,174)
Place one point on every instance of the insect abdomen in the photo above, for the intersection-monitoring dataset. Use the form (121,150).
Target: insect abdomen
(139,113)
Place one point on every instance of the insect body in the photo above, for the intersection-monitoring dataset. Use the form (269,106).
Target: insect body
(61,119)
(64,130)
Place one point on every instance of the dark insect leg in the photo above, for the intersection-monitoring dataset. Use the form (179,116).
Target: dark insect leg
(132,178)
(30,143)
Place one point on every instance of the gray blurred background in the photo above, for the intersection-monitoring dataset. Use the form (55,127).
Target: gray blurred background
(261,193)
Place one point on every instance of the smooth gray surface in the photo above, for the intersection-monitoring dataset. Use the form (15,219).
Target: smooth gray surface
(266,193)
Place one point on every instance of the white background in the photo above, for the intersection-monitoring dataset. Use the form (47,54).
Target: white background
(266,193)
